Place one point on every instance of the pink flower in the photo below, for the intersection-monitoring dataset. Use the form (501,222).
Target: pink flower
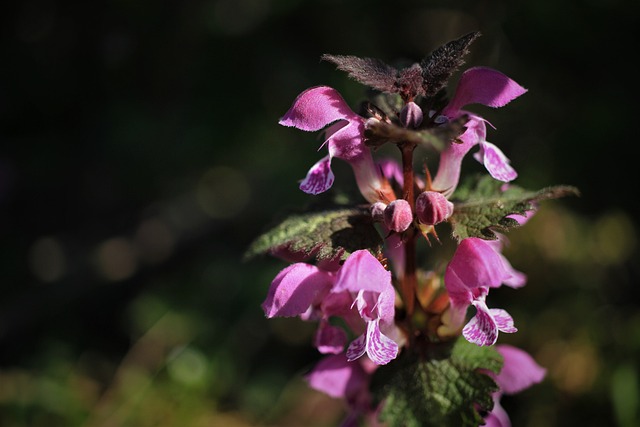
(519,371)
(295,289)
(304,290)
(478,85)
(364,276)
(337,377)
(360,292)
(315,109)
(476,267)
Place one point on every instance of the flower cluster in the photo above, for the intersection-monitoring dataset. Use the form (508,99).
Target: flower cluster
(373,303)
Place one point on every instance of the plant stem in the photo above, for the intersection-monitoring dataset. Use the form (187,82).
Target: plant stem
(409,282)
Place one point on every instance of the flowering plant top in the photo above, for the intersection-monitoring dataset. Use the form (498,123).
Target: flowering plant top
(406,352)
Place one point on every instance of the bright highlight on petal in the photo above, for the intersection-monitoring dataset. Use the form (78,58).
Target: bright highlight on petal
(295,289)
(316,108)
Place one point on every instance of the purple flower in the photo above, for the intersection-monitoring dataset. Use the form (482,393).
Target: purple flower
(304,290)
(478,85)
(476,267)
(519,371)
(295,289)
(315,109)
(363,276)
(337,377)
(360,292)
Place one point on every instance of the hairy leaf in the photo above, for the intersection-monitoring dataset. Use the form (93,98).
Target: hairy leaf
(369,71)
(407,82)
(484,208)
(326,235)
(443,62)
(444,386)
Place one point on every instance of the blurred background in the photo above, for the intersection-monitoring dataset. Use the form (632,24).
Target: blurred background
(140,155)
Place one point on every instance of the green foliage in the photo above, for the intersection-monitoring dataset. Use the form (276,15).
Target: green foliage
(326,234)
(482,207)
(445,386)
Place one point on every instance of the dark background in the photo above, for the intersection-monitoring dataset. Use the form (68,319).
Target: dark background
(140,154)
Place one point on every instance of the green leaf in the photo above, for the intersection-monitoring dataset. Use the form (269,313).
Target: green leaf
(327,234)
(482,208)
(444,386)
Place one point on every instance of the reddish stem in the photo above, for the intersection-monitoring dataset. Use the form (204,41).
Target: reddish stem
(409,281)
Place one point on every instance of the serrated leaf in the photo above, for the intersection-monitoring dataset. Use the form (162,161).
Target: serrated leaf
(482,209)
(444,61)
(445,386)
(326,235)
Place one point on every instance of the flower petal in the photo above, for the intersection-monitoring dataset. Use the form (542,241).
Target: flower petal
(380,348)
(519,370)
(330,339)
(450,165)
(335,376)
(481,329)
(498,417)
(319,178)
(496,162)
(486,86)
(512,277)
(391,170)
(503,320)
(362,272)
(475,264)
(357,348)
(295,289)
(347,143)
(317,107)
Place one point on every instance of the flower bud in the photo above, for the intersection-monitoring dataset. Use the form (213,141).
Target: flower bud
(411,115)
(397,215)
(377,211)
(432,208)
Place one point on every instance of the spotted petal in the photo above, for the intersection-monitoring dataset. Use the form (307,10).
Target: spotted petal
(483,328)
(319,178)
(357,348)
(496,162)
(380,348)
